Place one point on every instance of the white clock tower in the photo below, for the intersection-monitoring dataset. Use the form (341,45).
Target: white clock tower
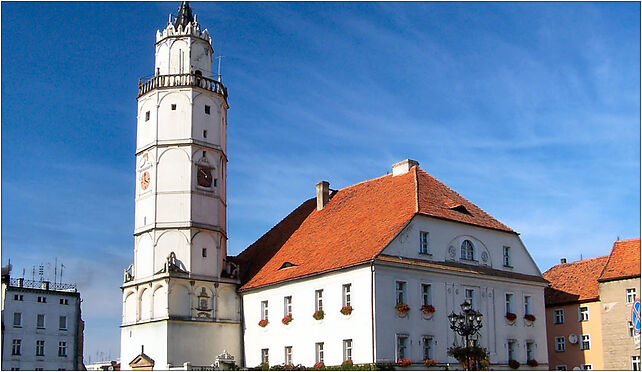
(179,297)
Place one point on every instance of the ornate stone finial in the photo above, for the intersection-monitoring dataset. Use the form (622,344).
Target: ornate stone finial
(184,16)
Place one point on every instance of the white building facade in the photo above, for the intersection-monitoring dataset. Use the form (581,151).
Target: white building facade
(42,326)
(179,297)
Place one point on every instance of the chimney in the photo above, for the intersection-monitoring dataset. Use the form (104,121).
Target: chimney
(323,194)
(45,285)
(403,167)
(563,260)
(21,282)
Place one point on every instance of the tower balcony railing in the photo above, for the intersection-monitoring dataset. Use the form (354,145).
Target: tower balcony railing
(181,80)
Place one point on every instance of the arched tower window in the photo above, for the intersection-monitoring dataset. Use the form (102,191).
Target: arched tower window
(467,250)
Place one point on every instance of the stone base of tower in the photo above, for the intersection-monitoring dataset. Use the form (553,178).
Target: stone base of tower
(172,343)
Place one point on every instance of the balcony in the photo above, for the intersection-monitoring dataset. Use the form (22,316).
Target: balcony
(181,81)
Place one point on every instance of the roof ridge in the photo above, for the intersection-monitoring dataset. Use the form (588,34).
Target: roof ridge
(576,262)
(416,189)
(626,240)
(359,183)
(609,260)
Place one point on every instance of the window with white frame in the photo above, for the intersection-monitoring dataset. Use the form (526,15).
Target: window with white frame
(527,305)
(17,320)
(346,294)
(265,356)
(423,243)
(40,348)
(288,355)
(401,292)
(558,316)
(562,367)
(62,322)
(467,250)
(264,310)
(318,300)
(586,367)
(62,349)
(402,347)
(585,342)
(428,349)
(631,329)
(40,321)
(560,344)
(630,295)
(635,363)
(318,351)
(509,303)
(583,313)
(287,305)
(426,294)
(512,350)
(530,350)
(16,345)
(507,261)
(469,295)
(347,350)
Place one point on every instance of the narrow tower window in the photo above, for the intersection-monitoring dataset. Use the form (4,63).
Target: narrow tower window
(173,107)
(204,133)
(204,252)
(147,116)
(207,109)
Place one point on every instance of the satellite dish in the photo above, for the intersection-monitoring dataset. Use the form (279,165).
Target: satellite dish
(572,338)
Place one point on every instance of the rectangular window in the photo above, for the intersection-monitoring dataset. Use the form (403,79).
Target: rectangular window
(18,297)
(147,116)
(470,297)
(402,347)
(346,294)
(204,252)
(586,367)
(427,343)
(62,349)
(563,367)
(40,348)
(264,310)
(40,322)
(630,295)
(527,305)
(530,351)
(207,109)
(287,305)
(423,243)
(17,320)
(631,329)
(42,299)
(426,295)
(509,303)
(347,350)
(401,292)
(173,107)
(583,313)
(204,133)
(586,342)
(560,344)
(512,350)
(288,355)
(265,356)
(15,347)
(507,257)
(318,300)
(318,351)
(635,363)
(62,322)
(559,316)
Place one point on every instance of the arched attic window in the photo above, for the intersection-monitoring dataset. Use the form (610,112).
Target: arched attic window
(467,250)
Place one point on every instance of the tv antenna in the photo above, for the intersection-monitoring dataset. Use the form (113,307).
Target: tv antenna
(219,67)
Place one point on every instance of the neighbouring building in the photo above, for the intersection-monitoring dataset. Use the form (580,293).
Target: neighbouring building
(588,311)
(400,239)
(42,327)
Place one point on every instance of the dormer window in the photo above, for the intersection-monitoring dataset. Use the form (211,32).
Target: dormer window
(286,265)
(461,209)
(467,250)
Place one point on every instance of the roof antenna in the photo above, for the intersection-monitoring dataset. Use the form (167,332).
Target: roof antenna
(219,67)
(617,239)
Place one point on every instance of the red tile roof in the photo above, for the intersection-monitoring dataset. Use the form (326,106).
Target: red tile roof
(624,261)
(353,228)
(574,281)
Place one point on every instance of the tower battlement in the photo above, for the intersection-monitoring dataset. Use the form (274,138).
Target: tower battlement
(191,29)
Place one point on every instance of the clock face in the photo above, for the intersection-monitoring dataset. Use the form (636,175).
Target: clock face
(144,181)
(204,177)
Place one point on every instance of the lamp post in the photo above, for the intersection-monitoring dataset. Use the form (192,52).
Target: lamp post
(466,323)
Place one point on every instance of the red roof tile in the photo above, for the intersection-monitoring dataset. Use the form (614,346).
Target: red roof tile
(356,224)
(624,261)
(574,281)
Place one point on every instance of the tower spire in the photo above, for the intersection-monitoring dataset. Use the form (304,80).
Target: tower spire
(184,16)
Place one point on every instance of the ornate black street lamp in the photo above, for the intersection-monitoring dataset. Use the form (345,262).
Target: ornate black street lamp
(465,324)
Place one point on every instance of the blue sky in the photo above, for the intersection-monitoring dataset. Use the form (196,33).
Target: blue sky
(530,110)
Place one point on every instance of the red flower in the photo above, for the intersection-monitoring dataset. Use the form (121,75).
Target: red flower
(430,362)
(529,317)
(318,366)
(263,323)
(511,316)
(318,315)
(402,308)
(532,363)
(346,310)
(513,364)
(427,309)
(403,362)
(287,319)
(347,364)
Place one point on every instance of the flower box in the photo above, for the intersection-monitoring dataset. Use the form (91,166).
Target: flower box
(430,362)
(532,363)
(346,310)
(511,317)
(530,317)
(513,364)
(263,323)
(427,309)
(318,366)
(402,308)
(318,315)
(347,364)
(403,362)
(287,319)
